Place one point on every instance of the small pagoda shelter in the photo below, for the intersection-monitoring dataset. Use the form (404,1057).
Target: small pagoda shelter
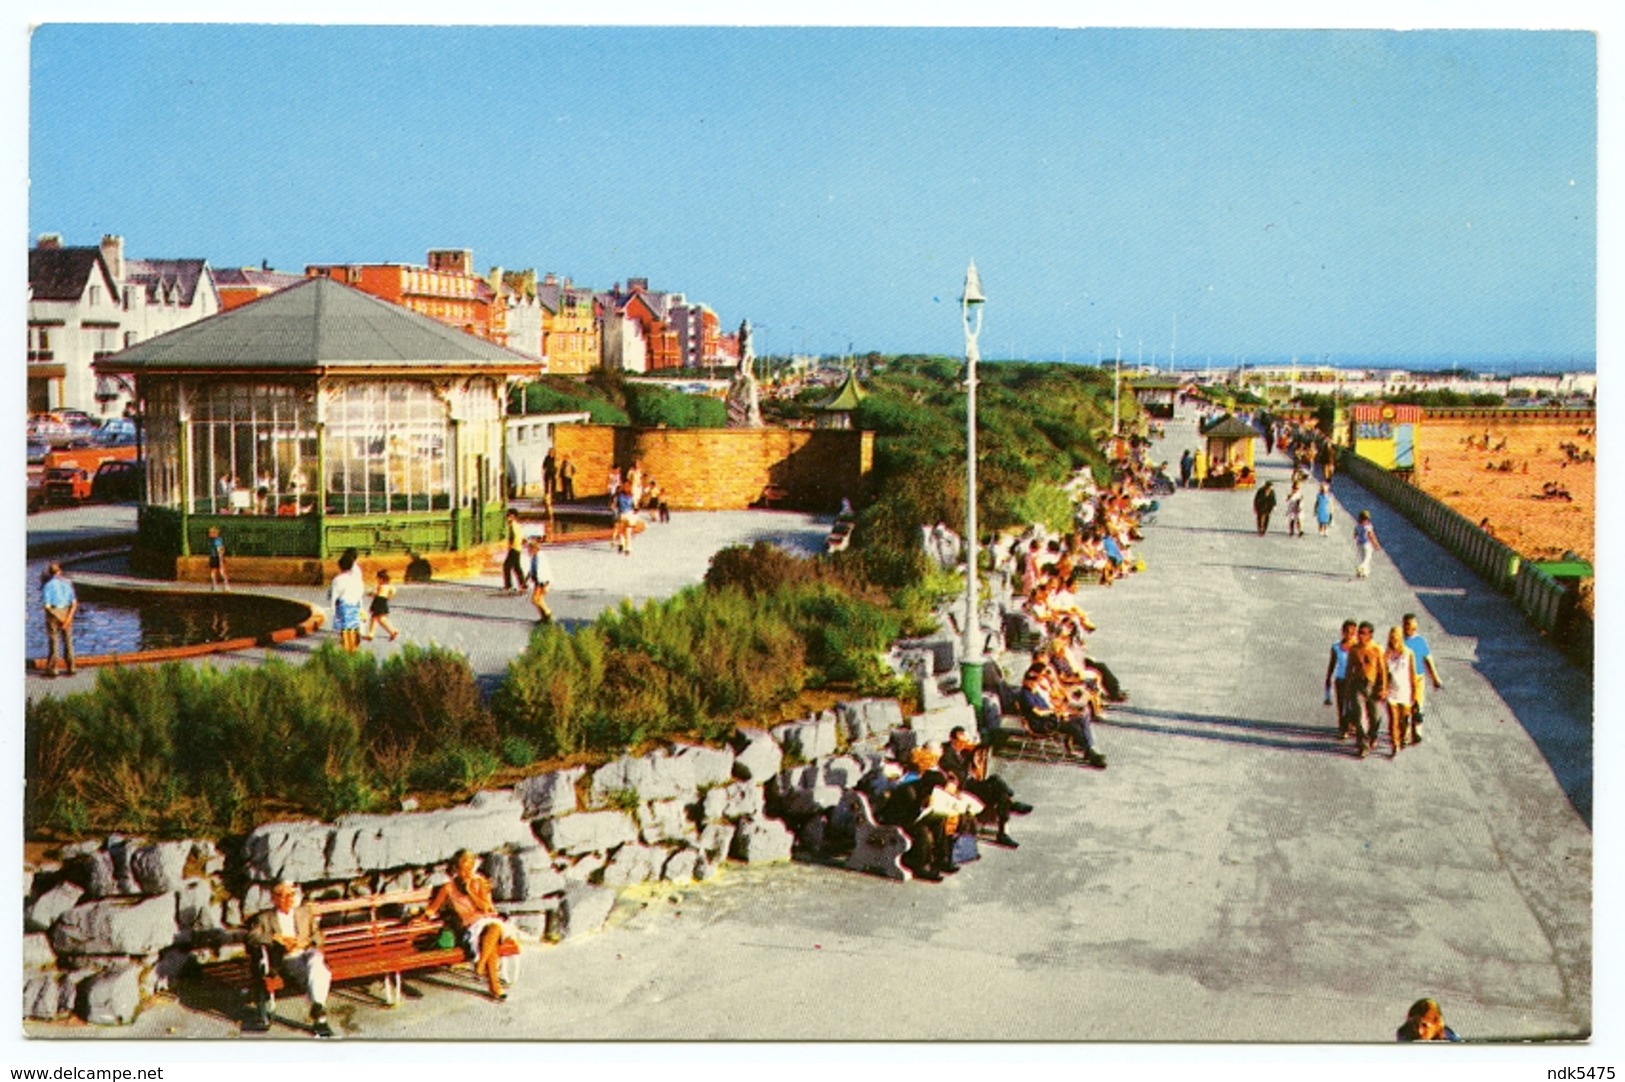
(837,412)
(315,420)
(1228,442)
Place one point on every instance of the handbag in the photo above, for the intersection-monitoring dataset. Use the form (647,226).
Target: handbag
(965,849)
(446,940)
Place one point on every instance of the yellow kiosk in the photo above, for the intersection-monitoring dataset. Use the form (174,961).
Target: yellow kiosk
(1229,443)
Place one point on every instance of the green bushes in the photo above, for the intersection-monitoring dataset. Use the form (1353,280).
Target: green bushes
(181,749)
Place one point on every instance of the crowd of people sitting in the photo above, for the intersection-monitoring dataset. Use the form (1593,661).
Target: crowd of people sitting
(1065,689)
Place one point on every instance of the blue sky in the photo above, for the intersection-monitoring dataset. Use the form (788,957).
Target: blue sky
(1343,193)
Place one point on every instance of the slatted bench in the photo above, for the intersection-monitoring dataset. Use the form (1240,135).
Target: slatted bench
(1015,739)
(381,936)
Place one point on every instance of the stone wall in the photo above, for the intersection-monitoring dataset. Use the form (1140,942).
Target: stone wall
(717,469)
(110,922)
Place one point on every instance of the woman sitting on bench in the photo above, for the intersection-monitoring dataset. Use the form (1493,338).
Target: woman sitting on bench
(464,901)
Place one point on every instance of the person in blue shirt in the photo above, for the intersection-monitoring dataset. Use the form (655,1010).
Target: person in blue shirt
(217,560)
(60,602)
(1418,646)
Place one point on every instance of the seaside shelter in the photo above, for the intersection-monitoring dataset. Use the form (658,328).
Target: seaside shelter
(1157,396)
(1386,435)
(1229,444)
(314,420)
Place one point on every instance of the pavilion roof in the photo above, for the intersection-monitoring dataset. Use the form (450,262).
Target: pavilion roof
(317,324)
(1230,427)
(847,397)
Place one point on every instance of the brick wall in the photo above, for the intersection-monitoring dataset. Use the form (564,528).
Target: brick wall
(718,469)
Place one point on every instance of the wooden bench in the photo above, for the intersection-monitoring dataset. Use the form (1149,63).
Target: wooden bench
(381,936)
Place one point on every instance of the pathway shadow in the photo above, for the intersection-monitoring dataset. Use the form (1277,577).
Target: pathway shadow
(1549,693)
(1312,739)
(1296,572)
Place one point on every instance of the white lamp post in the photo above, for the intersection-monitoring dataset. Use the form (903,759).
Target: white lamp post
(970,665)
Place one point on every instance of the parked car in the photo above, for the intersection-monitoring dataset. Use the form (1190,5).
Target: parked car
(115,431)
(67,485)
(37,450)
(119,482)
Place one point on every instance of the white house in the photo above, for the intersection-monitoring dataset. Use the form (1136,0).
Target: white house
(86,303)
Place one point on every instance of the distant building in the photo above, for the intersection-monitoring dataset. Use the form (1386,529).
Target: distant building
(516,291)
(636,328)
(240,285)
(86,303)
(571,339)
(447,289)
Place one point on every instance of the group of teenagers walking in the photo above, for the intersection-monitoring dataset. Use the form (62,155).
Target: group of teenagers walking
(1368,682)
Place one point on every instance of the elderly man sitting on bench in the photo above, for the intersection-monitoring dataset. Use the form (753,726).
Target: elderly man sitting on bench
(286,940)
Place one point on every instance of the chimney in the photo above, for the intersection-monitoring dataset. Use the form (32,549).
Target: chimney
(113,254)
(49,241)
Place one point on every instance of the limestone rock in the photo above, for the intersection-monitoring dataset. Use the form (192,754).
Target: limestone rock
(711,766)
(296,851)
(680,866)
(584,832)
(49,907)
(762,841)
(583,910)
(633,864)
(933,726)
(116,927)
(656,776)
(737,800)
(584,869)
(550,794)
(113,996)
(664,821)
(756,756)
(523,875)
(37,952)
(158,868)
(47,996)
(716,841)
(372,843)
(195,907)
(865,718)
(807,740)
(798,804)
(842,771)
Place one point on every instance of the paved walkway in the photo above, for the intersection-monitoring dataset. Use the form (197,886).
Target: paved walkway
(1236,875)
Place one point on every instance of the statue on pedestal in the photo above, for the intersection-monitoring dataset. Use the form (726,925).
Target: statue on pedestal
(744,408)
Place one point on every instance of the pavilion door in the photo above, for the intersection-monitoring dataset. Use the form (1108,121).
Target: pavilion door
(1404,447)
(482,495)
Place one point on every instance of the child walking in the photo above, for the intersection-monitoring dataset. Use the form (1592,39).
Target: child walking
(217,560)
(378,614)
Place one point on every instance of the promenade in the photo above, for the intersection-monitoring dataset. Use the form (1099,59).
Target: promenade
(1235,875)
